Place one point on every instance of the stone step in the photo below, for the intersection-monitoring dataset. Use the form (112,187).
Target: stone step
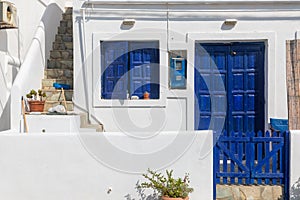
(69,10)
(62,46)
(58,73)
(56,95)
(50,104)
(49,82)
(61,54)
(67,16)
(66,23)
(64,30)
(59,64)
(64,38)
(97,127)
(48,88)
(84,123)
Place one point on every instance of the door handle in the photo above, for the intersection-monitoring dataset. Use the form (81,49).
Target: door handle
(233,53)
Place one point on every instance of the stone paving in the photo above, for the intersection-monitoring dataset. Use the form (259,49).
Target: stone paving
(253,192)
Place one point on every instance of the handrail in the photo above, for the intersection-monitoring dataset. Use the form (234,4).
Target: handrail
(29,76)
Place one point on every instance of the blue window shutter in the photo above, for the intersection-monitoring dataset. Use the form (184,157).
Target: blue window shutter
(144,69)
(114,65)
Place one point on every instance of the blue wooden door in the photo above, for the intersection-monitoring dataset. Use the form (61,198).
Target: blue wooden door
(235,73)
(210,85)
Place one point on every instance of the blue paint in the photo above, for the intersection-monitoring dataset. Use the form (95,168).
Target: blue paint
(60,86)
(129,68)
(279,124)
(114,65)
(240,67)
(177,73)
(252,158)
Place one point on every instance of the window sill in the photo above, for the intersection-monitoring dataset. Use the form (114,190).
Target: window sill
(127,103)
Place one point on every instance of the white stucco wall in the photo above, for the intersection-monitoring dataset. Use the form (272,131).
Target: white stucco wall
(84,166)
(185,24)
(294,165)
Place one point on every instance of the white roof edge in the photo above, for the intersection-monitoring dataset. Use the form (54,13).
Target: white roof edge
(185,1)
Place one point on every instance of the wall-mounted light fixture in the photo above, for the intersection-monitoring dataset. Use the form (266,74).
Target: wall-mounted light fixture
(128,22)
(230,22)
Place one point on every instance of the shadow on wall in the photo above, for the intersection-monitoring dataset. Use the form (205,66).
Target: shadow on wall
(295,191)
(142,195)
(3,45)
(5,117)
(51,19)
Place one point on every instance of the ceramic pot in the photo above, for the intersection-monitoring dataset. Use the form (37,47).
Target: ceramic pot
(36,106)
(170,198)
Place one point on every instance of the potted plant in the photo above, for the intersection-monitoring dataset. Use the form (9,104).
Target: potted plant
(168,187)
(35,100)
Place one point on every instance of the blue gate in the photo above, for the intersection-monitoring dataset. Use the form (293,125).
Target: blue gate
(252,158)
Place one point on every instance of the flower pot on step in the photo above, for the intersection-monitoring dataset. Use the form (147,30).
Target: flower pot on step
(36,106)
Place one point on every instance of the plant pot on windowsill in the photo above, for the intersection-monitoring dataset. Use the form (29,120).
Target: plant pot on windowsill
(36,106)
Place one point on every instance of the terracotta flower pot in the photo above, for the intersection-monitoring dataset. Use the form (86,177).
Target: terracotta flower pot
(36,106)
(170,198)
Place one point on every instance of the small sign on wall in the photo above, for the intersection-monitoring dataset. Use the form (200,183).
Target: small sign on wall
(177,69)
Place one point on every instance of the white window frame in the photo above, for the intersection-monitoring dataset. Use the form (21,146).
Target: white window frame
(97,69)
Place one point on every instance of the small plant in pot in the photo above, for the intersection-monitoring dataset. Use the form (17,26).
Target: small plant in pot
(168,187)
(35,100)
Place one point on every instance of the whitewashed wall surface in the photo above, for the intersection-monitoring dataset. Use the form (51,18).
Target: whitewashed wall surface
(87,165)
(177,26)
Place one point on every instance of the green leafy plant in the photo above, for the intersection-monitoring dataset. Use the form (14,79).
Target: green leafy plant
(167,185)
(36,95)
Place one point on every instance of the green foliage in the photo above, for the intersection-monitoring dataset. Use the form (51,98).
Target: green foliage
(34,95)
(33,92)
(167,185)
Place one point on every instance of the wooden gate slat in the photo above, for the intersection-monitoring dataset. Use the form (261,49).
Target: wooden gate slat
(267,161)
(259,156)
(274,159)
(281,159)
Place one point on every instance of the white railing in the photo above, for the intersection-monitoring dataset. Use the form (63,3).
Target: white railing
(29,76)
(9,66)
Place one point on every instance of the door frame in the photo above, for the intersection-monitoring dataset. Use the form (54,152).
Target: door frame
(269,40)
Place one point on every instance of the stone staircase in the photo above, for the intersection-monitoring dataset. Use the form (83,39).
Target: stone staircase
(60,64)
(60,70)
